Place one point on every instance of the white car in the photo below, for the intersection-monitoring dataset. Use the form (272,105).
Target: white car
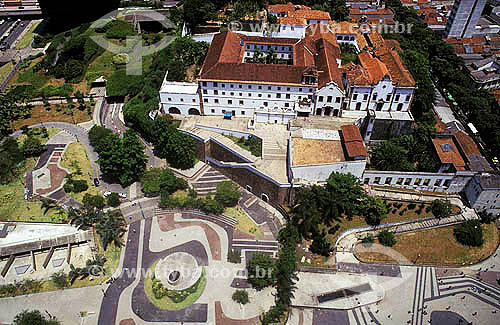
(107,193)
(122,195)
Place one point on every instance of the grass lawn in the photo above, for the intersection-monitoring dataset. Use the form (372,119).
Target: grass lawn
(5,70)
(439,246)
(235,140)
(166,302)
(29,76)
(57,113)
(245,223)
(76,156)
(25,41)
(13,207)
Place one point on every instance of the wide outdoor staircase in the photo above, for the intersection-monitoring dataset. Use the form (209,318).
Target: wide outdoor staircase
(206,181)
(273,150)
(431,223)
(221,220)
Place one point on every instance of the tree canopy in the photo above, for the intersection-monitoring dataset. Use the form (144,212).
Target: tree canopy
(33,317)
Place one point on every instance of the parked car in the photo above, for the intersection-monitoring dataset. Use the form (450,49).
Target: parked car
(107,193)
(122,195)
(96,182)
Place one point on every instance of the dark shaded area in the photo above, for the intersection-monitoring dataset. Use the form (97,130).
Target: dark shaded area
(328,316)
(240,283)
(64,15)
(344,293)
(373,269)
(447,318)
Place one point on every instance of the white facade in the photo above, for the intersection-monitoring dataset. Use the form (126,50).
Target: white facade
(292,31)
(320,173)
(180,98)
(483,198)
(383,96)
(329,100)
(242,99)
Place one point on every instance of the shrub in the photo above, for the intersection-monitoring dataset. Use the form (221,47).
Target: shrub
(401,212)
(33,317)
(227,193)
(487,217)
(241,297)
(93,201)
(412,206)
(60,280)
(394,211)
(368,240)
(68,187)
(32,147)
(211,206)
(113,200)
(261,271)
(79,185)
(418,211)
(469,233)
(441,208)
(234,256)
(386,238)
(428,209)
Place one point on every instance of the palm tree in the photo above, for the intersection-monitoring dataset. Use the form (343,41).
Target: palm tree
(111,229)
(48,204)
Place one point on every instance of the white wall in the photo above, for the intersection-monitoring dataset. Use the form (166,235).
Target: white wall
(184,102)
(332,92)
(319,173)
(379,94)
(292,31)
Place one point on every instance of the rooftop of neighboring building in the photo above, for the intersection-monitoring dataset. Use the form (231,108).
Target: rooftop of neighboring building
(489,181)
(448,153)
(488,45)
(353,141)
(325,151)
(179,87)
(485,69)
(432,16)
(297,14)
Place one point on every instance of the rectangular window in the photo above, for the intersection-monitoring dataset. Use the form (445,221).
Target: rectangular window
(367,180)
(337,100)
(300,90)
(399,181)
(242,112)
(204,83)
(241,102)
(354,96)
(329,99)
(427,181)
(194,100)
(268,87)
(417,181)
(320,99)
(249,86)
(265,104)
(447,183)
(205,91)
(278,95)
(205,100)
(260,87)
(287,96)
(249,94)
(231,93)
(223,85)
(287,105)
(408,181)
(365,97)
(231,85)
(279,88)
(214,84)
(377,180)
(216,92)
(216,101)
(240,86)
(212,110)
(388,97)
(287,88)
(374,97)
(438,182)
(388,180)
(260,95)
(169,99)
(407,99)
(241,94)
(182,99)
(396,98)
(229,102)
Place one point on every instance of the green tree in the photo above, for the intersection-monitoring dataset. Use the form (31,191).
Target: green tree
(374,210)
(227,193)
(111,229)
(211,206)
(181,150)
(386,238)
(11,110)
(79,185)
(441,208)
(113,200)
(33,317)
(96,136)
(261,271)
(390,156)
(156,180)
(469,233)
(60,280)
(11,157)
(93,201)
(32,147)
(241,297)
(196,12)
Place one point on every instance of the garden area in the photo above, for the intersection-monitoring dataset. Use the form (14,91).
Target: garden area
(76,160)
(245,223)
(250,144)
(438,246)
(13,206)
(172,299)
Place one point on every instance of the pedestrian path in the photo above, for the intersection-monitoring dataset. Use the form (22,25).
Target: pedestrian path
(206,181)
(463,286)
